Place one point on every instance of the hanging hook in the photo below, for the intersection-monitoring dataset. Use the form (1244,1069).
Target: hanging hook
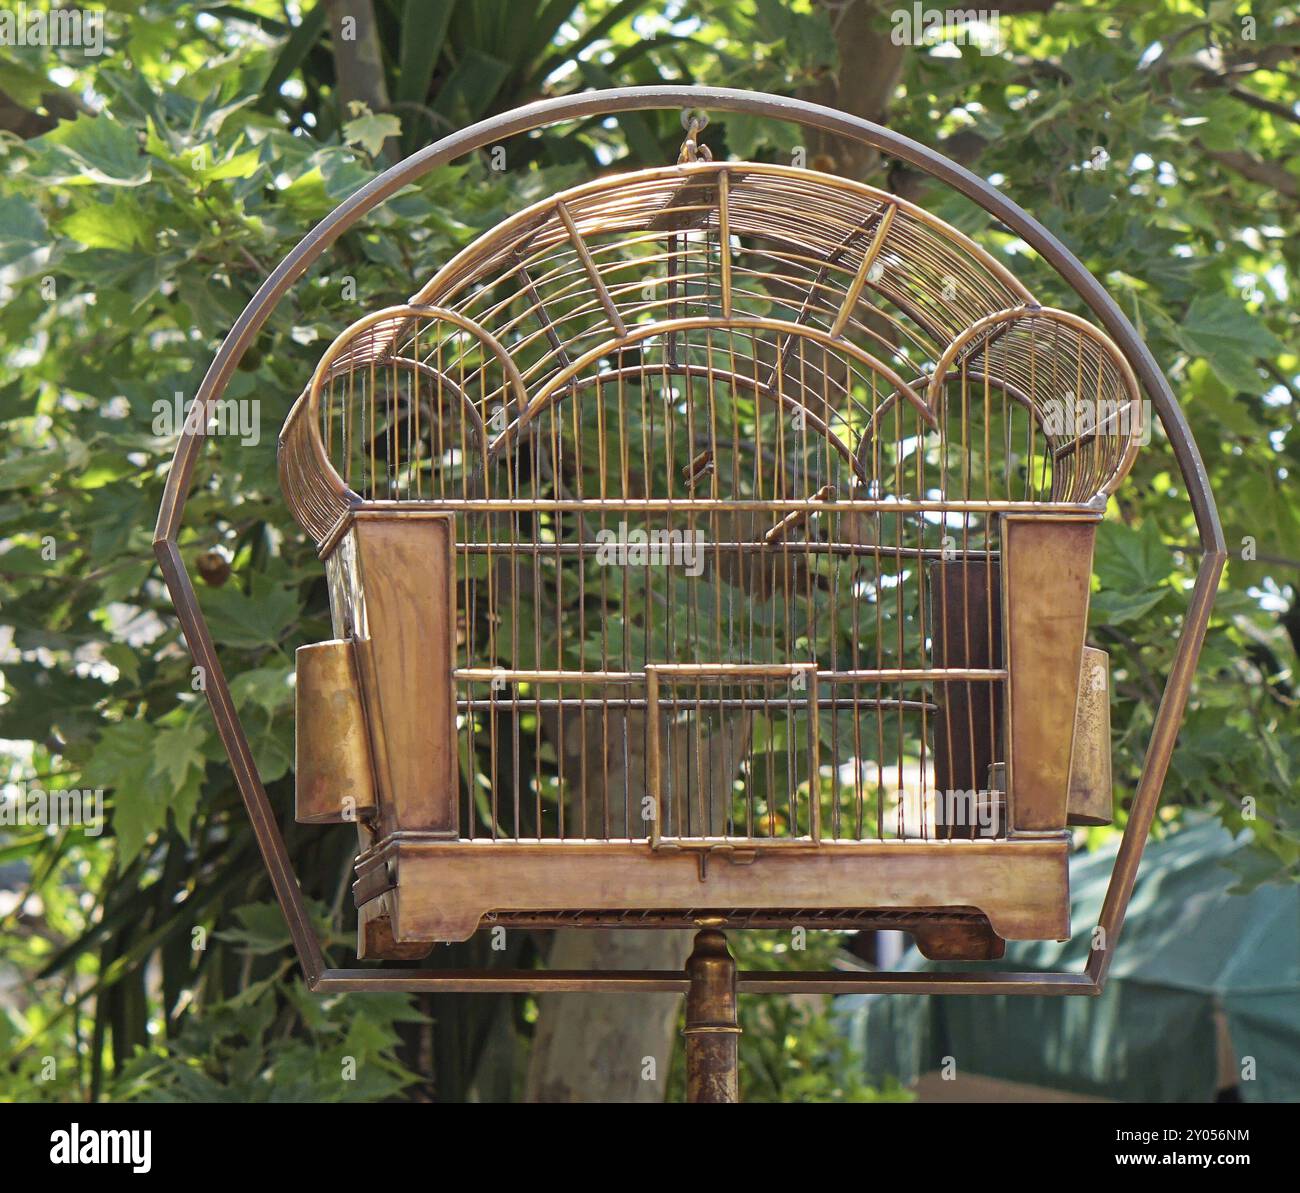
(694,122)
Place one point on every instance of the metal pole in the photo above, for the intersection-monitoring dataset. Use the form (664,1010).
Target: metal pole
(712,1031)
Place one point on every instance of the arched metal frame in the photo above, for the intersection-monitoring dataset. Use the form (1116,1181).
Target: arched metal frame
(607,103)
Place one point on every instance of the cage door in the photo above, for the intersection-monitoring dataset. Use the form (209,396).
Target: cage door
(733,754)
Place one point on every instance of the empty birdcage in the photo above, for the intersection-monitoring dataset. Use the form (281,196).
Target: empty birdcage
(713,539)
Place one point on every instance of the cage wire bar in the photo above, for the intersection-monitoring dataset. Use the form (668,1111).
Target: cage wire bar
(838,493)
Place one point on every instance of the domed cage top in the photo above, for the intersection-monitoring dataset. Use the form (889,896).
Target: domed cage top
(713,543)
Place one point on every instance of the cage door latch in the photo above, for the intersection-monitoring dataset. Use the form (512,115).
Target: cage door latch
(737,855)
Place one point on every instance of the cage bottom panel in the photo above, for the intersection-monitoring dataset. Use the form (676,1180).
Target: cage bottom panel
(431,891)
(945,934)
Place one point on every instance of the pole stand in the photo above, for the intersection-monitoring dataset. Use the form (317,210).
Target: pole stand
(712,1031)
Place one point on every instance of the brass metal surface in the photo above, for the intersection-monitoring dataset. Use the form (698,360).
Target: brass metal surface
(405,624)
(328,511)
(332,762)
(966,624)
(450,981)
(375,938)
(1090,788)
(443,891)
(712,1029)
(1046,573)
(721,323)
(958,940)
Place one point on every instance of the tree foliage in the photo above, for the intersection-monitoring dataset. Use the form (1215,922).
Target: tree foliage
(145,194)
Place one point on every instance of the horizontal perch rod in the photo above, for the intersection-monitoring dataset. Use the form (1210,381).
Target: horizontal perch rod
(448,981)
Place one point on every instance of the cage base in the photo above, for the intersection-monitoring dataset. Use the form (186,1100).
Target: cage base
(411,892)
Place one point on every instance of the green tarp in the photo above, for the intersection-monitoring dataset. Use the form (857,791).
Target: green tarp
(1189,949)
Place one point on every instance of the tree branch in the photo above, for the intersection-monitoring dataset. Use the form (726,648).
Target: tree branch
(1255,169)
(870,66)
(1264,105)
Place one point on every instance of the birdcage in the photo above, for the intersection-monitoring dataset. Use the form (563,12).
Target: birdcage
(710,537)
(710,544)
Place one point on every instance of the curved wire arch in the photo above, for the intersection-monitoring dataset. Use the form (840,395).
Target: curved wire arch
(739,381)
(554,388)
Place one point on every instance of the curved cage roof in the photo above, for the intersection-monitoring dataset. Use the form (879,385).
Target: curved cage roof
(849,301)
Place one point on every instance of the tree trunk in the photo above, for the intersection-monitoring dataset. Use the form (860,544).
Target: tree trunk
(358,60)
(616,1047)
(870,65)
(606,1047)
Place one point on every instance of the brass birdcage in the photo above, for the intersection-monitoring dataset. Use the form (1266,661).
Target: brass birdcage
(712,543)
(719,511)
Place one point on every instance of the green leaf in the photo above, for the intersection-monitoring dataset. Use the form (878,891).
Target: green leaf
(122,762)
(118,224)
(236,165)
(424,29)
(24,83)
(1230,339)
(271,740)
(35,468)
(1131,561)
(341,171)
(177,750)
(270,688)
(124,582)
(641,140)
(371,131)
(126,660)
(1115,608)
(292,53)
(258,619)
(22,229)
(472,86)
(261,930)
(92,149)
(183,801)
(1234,414)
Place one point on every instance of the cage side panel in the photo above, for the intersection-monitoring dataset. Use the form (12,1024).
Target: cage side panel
(443,891)
(734,752)
(406,654)
(1047,568)
(1090,785)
